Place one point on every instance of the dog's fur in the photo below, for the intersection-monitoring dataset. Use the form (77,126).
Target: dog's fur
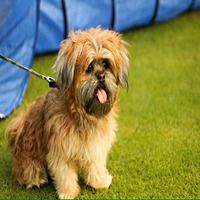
(73,126)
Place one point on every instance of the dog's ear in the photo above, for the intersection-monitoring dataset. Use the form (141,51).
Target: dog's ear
(64,66)
(64,71)
(124,67)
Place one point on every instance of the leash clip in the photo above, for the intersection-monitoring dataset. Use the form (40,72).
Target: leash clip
(51,81)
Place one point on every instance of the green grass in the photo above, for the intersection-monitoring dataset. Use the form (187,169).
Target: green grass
(157,153)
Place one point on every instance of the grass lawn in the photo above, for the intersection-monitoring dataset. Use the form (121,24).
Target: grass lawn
(157,153)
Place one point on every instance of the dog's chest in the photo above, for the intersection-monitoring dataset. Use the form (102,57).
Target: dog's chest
(88,145)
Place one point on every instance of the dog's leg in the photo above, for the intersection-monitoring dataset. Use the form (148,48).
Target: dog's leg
(97,176)
(29,172)
(66,180)
(25,141)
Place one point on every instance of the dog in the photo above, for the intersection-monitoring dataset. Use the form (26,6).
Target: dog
(73,127)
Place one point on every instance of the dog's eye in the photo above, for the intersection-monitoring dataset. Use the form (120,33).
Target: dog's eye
(90,68)
(106,64)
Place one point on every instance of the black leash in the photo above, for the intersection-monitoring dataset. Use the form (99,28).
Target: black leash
(50,80)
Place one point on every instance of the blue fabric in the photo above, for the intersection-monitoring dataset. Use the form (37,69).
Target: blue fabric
(169,10)
(83,14)
(131,13)
(36,26)
(50,26)
(17,39)
(196,4)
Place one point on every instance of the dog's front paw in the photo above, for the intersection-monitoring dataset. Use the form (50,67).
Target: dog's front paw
(67,196)
(99,182)
(68,190)
(70,194)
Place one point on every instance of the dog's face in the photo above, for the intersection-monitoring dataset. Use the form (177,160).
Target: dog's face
(90,66)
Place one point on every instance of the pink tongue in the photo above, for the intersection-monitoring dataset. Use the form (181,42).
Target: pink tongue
(102,96)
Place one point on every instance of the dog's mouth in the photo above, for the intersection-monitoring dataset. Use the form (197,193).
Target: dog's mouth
(101,94)
(99,104)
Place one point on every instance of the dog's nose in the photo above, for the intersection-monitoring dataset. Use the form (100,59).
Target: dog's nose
(100,76)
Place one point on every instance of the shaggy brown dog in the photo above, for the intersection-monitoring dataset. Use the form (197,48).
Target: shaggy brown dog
(73,126)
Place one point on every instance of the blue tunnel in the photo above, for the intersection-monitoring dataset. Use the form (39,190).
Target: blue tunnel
(38,26)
